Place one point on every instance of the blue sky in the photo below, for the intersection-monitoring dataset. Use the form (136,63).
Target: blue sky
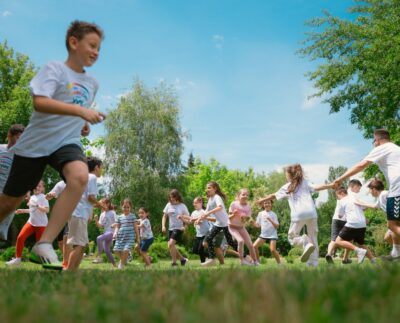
(242,88)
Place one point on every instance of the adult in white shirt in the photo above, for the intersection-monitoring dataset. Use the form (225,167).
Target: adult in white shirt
(387,156)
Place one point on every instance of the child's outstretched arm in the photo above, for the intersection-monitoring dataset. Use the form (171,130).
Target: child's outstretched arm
(208,213)
(324,187)
(135,226)
(269,197)
(21,211)
(365,204)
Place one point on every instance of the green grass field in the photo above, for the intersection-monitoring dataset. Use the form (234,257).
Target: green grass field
(290,293)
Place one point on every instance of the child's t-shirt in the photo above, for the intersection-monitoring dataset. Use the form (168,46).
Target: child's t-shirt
(172,211)
(126,231)
(354,214)
(107,219)
(145,230)
(48,132)
(302,206)
(84,208)
(221,216)
(387,157)
(204,226)
(244,212)
(267,229)
(336,215)
(382,200)
(6,158)
(36,217)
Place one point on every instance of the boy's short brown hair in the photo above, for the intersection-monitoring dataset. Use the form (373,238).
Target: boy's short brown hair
(79,29)
(376,184)
(16,129)
(382,134)
(341,190)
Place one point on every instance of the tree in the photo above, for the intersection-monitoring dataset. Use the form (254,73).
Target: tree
(333,173)
(143,146)
(16,71)
(360,64)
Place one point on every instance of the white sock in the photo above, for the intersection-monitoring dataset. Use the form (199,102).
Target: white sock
(396,250)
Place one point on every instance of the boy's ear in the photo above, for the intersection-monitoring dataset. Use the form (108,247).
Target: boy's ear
(73,42)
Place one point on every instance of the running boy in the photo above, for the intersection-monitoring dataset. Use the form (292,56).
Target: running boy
(62,94)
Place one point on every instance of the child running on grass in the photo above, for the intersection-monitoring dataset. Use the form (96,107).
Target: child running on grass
(126,233)
(355,227)
(174,210)
(216,207)
(239,212)
(146,235)
(267,220)
(104,240)
(62,94)
(302,212)
(37,222)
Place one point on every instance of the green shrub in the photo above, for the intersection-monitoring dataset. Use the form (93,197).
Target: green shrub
(160,250)
(9,253)
(293,254)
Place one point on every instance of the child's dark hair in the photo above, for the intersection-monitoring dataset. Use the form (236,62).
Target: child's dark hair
(341,190)
(107,200)
(16,129)
(145,210)
(93,162)
(79,29)
(296,175)
(175,195)
(127,200)
(376,184)
(355,182)
(218,190)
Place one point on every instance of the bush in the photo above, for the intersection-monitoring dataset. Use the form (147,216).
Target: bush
(293,254)
(159,249)
(9,253)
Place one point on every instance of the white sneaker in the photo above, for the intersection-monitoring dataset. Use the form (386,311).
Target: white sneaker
(209,262)
(15,262)
(361,255)
(44,253)
(244,262)
(257,264)
(248,258)
(98,260)
(120,265)
(308,250)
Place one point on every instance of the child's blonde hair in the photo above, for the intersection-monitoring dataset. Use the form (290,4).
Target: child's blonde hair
(240,192)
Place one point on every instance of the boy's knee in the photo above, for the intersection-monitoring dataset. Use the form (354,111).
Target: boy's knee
(171,243)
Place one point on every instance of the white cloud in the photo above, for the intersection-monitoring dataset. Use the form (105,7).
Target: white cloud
(5,14)
(218,41)
(335,153)
(308,102)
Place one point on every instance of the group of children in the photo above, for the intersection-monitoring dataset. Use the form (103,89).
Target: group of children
(63,93)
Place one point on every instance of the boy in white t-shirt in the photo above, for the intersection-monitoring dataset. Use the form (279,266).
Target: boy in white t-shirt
(6,158)
(62,94)
(387,156)
(78,223)
(355,227)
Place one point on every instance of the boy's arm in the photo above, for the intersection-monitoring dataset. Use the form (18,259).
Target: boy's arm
(323,187)
(164,219)
(47,105)
(135,226)
(92,199)
(365,205)
(43,209)
(269,197)
(21,211)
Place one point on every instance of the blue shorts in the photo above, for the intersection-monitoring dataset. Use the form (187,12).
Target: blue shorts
(393,208)
(145,244)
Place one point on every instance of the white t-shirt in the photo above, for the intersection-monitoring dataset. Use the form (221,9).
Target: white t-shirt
(302,206)
(107,219)
(267,229)
(48,132)
(382,200)
(36,217)
(354,214)
(172,211)
(204,226)
(84,208)
(145,231)
(387,157)
(220,216)
(6,158)
(58,188)
(336,215)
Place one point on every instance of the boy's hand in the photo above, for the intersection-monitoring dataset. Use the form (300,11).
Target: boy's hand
(92,116)
(85,130)
(50,196)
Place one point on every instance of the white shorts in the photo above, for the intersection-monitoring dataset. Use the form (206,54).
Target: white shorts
(78,231)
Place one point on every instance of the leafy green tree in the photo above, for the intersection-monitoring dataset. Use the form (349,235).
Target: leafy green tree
(143,146)
(359,64)
(16,71)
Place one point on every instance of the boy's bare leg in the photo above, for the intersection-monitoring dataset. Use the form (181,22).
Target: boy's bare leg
(76,175)
(75,257)
(9,204)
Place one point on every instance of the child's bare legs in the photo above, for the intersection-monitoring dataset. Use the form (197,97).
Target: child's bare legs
(66,250)
(275,253)
(173,251)
(331,248)
(146,258)
(75,257)
(220,255)
(9,204)
(346,254)
(257,244)
(124,257)
(76,175)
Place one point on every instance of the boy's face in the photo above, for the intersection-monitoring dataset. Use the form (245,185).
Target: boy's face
(87,49)
(98,170)
(339,196)
(374,192)
(355,188)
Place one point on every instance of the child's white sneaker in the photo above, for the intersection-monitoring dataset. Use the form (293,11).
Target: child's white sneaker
(244,262)
(308,250)
(43,252)
(361,253)
(120,265)
(209,262)
(15,262)
(98,260)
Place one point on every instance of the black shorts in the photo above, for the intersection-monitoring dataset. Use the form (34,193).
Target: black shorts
(175,235)
(353,234)
(393,208)
(26,172)
(267,240)
(336,227)
(63,232)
